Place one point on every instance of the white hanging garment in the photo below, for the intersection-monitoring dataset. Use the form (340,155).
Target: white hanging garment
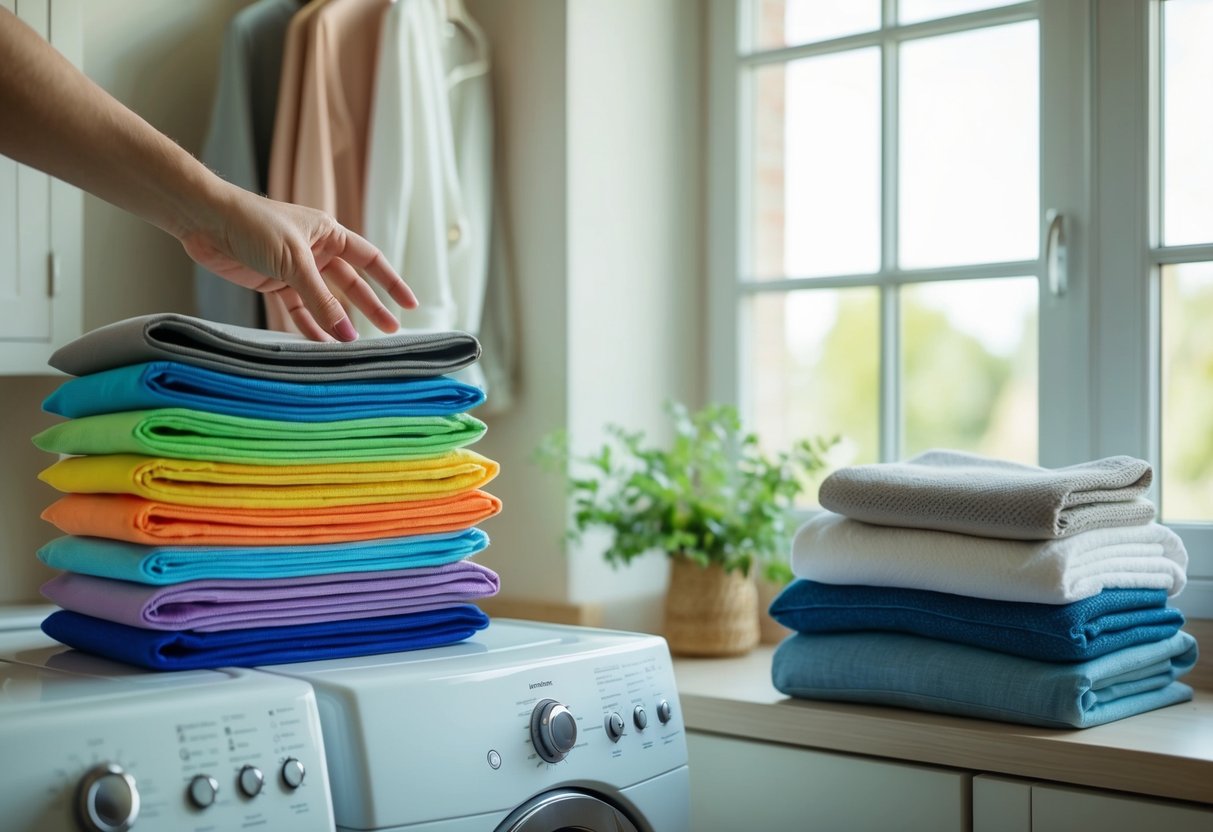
(429,187)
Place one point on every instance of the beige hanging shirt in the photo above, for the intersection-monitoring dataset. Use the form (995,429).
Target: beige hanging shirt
(320,134)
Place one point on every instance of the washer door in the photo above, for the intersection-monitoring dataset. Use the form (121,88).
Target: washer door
(567,810)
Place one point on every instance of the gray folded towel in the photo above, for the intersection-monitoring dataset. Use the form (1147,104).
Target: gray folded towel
(259,353)
(959,492)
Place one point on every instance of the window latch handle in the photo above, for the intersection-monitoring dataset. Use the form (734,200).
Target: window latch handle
(1055,253)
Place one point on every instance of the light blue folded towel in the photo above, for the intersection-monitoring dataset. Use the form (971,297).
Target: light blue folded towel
(164,565)
(926,674)
(156,384)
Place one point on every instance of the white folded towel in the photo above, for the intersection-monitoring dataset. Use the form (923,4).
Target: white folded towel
(835,550)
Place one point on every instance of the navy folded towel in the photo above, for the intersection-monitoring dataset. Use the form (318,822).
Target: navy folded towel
(1095,626)
(188,650)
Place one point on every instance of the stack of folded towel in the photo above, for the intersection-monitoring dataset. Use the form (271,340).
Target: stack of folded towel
(242,497)
(972,586)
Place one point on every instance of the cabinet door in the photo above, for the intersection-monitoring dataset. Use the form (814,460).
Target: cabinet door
(25,303)
(746,785)
(1004,804)
(41,228)
(1058,809)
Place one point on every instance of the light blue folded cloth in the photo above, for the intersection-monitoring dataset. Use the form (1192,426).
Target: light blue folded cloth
(1112,620)
(164,565)
(930,675)
(172,384)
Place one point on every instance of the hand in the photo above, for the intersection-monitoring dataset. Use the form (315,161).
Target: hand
(296,253)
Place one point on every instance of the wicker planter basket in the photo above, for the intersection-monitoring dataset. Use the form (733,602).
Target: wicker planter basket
(709,612)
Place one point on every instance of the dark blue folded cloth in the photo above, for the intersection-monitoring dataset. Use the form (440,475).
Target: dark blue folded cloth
(189,650)
(172,384)
(1095,626)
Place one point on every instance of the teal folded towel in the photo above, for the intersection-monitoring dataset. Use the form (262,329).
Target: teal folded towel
(931,675)
(1111,620)
(180,433)
(155,384)
(164,565)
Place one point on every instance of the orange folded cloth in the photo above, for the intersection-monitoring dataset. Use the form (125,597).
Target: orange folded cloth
(134,519)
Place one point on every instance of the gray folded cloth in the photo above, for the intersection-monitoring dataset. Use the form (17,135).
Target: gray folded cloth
(959,492)
(259,353)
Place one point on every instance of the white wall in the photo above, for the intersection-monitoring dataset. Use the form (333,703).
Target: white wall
(159,57)
(634,255)
(599,135)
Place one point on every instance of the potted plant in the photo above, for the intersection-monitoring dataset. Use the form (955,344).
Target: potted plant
(710,498)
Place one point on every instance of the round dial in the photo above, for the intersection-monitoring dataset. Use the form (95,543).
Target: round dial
(614,726)
(250,780)
(107,799)
(663,711)
(202,790)
(553,730)
(639,718)
(293,772)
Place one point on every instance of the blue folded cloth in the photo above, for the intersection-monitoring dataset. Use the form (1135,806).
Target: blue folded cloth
(172,384)
(932,675)
(188,650)
(1108,621)
(163,565)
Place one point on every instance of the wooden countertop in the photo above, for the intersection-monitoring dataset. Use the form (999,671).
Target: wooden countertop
(1166,753)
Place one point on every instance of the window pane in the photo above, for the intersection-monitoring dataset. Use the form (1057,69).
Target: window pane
(1187,392)
(1187,122)
(812,369)
(969,367)
(779,23)
(815,196)
(970,147)
(912,11)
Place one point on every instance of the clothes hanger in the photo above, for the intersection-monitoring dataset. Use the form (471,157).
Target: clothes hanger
(458,17)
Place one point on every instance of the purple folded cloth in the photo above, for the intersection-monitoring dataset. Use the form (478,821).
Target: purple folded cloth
(212,606)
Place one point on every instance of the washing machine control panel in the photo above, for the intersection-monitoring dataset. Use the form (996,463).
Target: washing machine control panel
(485,725)
(202,750)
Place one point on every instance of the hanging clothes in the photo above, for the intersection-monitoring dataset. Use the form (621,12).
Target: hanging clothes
(237,144)
(429,188)
(323,114)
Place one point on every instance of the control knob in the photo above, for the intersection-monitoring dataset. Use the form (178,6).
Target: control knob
(250,780)
(203,790)
(292,773)
(553,730)
(663,711)
(614,726)
(107,799)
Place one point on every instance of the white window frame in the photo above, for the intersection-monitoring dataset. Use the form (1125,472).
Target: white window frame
(1098,68)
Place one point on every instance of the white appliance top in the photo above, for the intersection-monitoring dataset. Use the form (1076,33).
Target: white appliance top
(504,645)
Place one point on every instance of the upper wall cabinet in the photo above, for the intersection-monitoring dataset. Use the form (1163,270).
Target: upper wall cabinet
(41,229)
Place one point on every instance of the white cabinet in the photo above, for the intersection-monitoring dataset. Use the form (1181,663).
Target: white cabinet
(746,785)
(1002,804)
(41,229)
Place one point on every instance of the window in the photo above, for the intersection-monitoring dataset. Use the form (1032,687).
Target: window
(970,224)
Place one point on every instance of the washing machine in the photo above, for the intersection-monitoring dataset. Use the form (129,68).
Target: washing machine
(93,745)
(524,728)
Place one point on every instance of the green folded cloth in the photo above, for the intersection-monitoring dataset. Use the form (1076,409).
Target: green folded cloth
(181,433)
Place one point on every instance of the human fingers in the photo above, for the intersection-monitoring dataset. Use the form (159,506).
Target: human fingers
(341,275)
(309,293)
(301,317)
(360,254)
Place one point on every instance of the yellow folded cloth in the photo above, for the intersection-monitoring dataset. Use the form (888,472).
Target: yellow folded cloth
(195,482)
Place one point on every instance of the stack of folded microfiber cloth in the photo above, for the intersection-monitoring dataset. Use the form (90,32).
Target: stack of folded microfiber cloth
(965,585)
(243,497)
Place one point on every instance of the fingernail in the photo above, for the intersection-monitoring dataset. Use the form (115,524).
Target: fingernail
(344,330)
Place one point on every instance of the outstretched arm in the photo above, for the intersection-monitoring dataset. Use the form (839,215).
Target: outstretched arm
(57,120)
